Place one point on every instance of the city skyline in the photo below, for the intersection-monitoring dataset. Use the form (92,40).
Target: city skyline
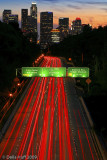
(46,25)
(90,11)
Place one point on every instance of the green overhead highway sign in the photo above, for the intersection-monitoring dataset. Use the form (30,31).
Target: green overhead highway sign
(82,72)
(43,71)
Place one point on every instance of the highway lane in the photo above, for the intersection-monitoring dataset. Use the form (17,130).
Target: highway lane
(21,119)
(50,123)
(81,130)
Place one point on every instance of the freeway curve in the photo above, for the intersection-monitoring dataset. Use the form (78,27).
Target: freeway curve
(50,123)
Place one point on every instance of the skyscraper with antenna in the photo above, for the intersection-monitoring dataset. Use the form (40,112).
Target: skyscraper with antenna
(33,13)
(29,22)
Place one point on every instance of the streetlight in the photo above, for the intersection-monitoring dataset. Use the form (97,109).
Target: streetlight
(70,59)
(18,84)
(10,95)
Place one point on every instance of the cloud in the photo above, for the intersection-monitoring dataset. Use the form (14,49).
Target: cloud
(91,2)
(60,9)
(52,1)
(104,9)
(74,6)
(96,3)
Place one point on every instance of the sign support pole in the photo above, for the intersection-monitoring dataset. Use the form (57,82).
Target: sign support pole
(88,88)
(16,72)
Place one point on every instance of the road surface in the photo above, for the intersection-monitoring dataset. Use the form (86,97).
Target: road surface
(50,123)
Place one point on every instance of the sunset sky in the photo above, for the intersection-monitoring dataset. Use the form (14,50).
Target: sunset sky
(93,12)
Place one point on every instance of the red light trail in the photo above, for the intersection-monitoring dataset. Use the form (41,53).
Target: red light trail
(41,125)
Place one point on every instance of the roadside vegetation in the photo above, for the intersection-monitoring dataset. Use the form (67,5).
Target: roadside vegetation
(89,49)
(15,52)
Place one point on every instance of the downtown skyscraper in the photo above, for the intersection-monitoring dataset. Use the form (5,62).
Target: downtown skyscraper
(63,27)
(33,13)
(55,36)
(46,25)
(13,18)
(8,17)
(76,26)
(64,23)
(24,16)
(29,22)
(6,14)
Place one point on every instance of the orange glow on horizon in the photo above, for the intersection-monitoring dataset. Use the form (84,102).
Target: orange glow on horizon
(89,14)
(94,21)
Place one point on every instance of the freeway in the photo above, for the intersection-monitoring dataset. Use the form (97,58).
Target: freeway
(50,123)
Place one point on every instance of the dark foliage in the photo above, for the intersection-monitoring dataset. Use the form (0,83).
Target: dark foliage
(96,106)
(15,52)
(92,45)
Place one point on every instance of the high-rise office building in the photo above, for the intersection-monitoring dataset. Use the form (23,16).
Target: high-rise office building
(6,14)
(24,17)
(30,27)
(13,18)
(76,26)
(46,25)
(55,36)
(64,23)
(29,22)
(64,27)
(33,13)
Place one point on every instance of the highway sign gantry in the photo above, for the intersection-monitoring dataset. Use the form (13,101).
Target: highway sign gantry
(74,72)
(78,72)
(44,72)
